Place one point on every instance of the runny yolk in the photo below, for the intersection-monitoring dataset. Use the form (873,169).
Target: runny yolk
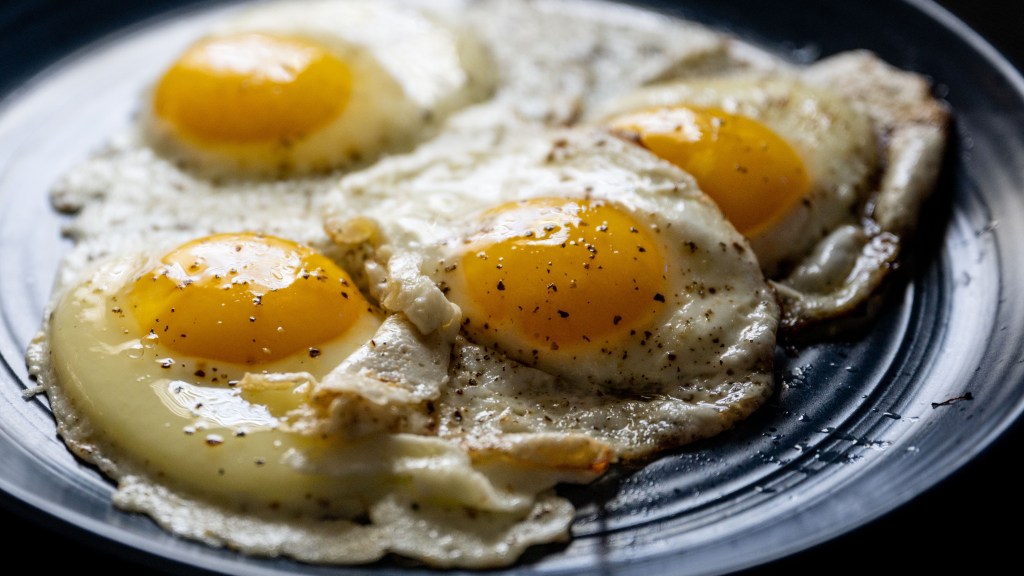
(561,273)
(245,298)
(252,88)
(753,175)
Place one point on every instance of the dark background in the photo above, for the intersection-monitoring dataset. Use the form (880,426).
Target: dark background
(969,521)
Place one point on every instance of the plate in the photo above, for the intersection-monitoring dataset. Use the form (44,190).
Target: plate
(858,429)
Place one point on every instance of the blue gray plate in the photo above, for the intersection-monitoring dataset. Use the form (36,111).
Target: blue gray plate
(860,426)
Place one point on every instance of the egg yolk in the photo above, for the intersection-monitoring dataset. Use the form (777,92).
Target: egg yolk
(753,175)
(561,273)
(252,88)
(245,298)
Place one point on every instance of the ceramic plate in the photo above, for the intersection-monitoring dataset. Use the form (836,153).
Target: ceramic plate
(859,426)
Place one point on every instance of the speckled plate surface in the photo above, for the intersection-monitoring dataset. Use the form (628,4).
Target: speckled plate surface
(859,426)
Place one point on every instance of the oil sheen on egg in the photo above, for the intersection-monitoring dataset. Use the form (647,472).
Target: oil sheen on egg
(152,352)
(598,289)
(288,88)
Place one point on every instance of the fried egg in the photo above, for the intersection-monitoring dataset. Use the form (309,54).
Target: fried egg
(597,289)
(784,161)
(798,166)
(289,88)
(186,377)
